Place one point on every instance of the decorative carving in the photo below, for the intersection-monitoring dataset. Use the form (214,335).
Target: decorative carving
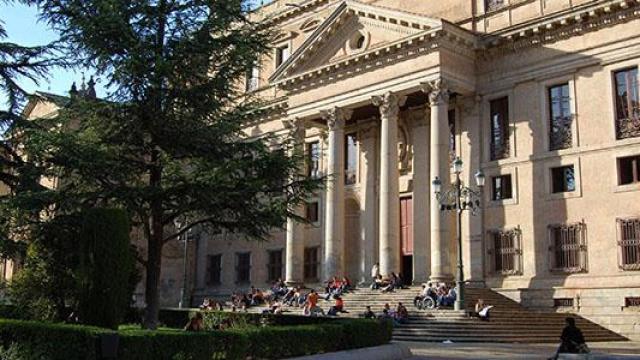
(336,117)
(295,126)
(438,91)
(389,104)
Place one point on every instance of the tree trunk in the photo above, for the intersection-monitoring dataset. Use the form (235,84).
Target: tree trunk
(154,251)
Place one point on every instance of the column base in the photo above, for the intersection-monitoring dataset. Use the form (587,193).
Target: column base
(294,283)
(440,278)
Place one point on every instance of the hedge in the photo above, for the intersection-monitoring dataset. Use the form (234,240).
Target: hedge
(73,342)
(58,341)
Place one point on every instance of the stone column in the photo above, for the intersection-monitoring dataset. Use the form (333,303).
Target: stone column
(369,201)
(294,262)
(334,207)
(439,163)
(389,104)
(421,199)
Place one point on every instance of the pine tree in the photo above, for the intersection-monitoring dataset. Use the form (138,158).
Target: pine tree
(169,142)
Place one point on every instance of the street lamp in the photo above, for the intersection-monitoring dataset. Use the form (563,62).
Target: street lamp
(181,224)
(459,198)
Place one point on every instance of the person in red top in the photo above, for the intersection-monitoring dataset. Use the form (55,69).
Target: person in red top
(311,306)
(338,307)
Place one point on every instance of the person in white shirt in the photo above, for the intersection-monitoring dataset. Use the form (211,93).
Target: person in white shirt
(375,271)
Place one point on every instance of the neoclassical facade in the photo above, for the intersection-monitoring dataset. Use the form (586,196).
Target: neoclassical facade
(541,95)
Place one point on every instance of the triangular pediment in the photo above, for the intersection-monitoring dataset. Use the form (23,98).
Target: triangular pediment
(352,29)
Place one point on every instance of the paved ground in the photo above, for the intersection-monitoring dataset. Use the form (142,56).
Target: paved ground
(440,351)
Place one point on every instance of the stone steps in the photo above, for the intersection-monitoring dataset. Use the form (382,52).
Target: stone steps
(510,321)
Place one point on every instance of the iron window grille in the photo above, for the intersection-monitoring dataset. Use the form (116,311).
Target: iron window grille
(629,243)
(560,117)
(505,251)
(568,247)
(499,109)
(627,103)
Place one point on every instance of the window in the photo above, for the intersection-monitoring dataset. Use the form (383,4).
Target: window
(629,170)
(627,103)
(501,187)
(312,212)
(214,269)
(632,301)
(313,159)
(491,5)
(505,251)
(253,79)
(560,117)
(568,247)
(351,161)
(452,134)
(274,267)
(563,179)
(282,54)
(563,302)
(243,267)
(629,243)
(499,109)
(311,263)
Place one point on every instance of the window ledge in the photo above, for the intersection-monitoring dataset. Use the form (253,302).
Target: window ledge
(503,202)
(627,188)
(564,195)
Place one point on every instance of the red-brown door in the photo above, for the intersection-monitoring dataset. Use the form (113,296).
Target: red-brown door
(406,225)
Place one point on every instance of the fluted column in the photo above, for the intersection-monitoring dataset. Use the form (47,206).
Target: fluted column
(389,233)
(294,261)
(369,203)
(421,199)
(439,164)
(334,209)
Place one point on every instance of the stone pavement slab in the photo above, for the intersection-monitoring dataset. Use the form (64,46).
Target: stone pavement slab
(440,351)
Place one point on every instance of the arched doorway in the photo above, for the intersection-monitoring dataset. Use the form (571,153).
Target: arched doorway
(352,243)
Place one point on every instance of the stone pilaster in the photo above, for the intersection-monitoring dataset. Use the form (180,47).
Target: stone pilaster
(439,164)
(294,261)
(421,198)
(369,200)
(334,207)
(389,234)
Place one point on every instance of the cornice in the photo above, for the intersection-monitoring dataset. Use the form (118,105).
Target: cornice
(272,109)
(562,26)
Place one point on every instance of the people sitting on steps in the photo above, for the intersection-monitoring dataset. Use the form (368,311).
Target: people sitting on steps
(368,314)
(481,310)
(401,315)
(375,273)
(378,282)
(446,297)
(571,340)
(311,307)
(338,307)
(426,291)
(394,282)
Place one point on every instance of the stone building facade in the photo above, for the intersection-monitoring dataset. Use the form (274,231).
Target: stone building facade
(541,95)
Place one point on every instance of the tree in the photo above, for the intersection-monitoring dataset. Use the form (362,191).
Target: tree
(107,268)
(169,143)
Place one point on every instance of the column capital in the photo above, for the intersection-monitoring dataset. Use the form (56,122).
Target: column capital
(336,117)
(437,90)
(389,104)
(296,126)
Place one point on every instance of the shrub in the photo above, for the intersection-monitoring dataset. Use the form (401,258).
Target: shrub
(56,341)
(107,267)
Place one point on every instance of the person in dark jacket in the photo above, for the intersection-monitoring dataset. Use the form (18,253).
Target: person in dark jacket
(572,340)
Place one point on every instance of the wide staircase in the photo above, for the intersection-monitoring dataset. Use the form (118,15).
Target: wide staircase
(509,321)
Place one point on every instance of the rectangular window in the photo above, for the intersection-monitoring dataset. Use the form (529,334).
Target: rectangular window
(253,79)
(629,170)
(312,212)
(627,103)
(311,263)
(351,160)
(491,5)
(568,247)
(505,251)
(563,302)
(214,269)
(243,267)
(499,109)
(282,54)
(274,266)
(560,117)
(501,187)
(632,301)
(629,243)
(452,134)
(313,159)
(563,179)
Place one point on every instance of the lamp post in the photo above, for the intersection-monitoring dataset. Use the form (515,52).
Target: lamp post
(180,224)
(459,198)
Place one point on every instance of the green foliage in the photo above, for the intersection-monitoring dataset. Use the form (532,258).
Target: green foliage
(107,268)
(51,341)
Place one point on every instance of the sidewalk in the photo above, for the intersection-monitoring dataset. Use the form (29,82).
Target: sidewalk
(439,351)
